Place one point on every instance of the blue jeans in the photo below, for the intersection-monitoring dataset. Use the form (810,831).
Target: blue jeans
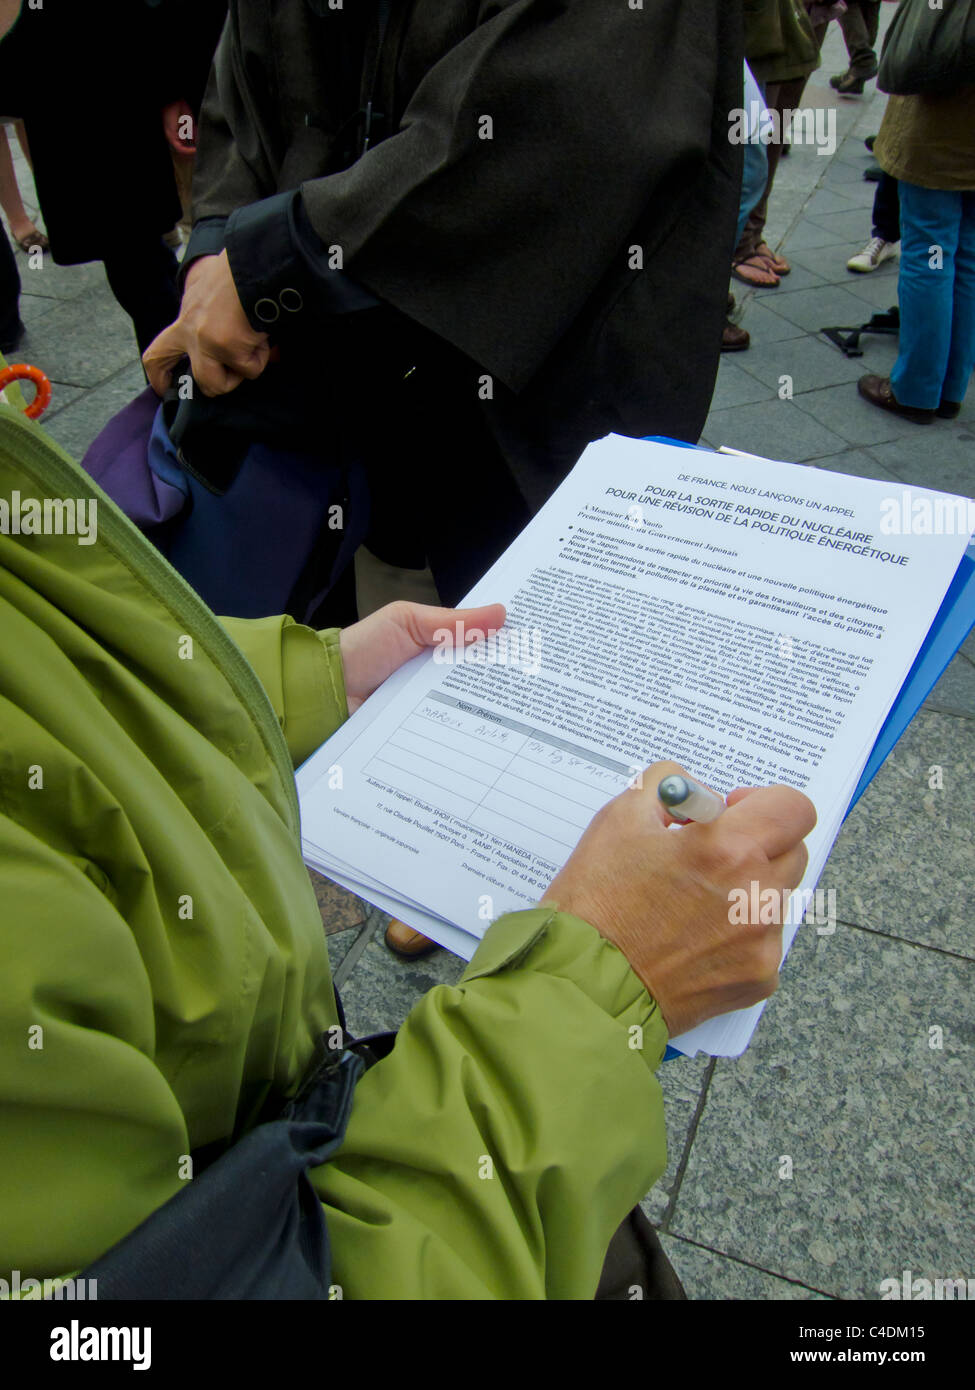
(937,305)
(754,177)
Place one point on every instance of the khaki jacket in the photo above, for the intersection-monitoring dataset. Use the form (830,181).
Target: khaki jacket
(930,141)
(164,969)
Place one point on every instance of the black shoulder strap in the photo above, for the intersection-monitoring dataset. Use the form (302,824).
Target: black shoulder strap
(251,1225)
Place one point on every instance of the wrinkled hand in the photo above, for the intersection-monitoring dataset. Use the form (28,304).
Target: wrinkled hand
(380,644)
(213,330)
(663,896)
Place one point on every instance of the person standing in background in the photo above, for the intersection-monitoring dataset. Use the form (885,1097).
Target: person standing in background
(782,49)
(192,28)
(22,228)
(11,327)
(928,144)
(885,232)
(481,258)
(486,250)
(860,24)
(106,67)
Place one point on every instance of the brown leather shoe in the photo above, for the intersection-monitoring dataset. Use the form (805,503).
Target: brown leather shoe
(733,338)
(404,941)
(878,391)
(948,410)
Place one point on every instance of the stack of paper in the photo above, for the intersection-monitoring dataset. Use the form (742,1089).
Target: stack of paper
(752,620)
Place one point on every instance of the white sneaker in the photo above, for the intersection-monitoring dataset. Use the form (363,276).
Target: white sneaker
(873,254)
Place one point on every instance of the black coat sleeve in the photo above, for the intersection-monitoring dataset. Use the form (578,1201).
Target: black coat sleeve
(522,162)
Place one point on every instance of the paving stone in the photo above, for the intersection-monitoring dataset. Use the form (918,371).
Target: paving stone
(76,426)
(854,153)
(52,281)
(340,909)
(955,691)
(829,262)
(879,355)
(846,226)
(763,325)
(840,1079)
(61,396)
(822,307)
(902,864)
(810,364)
(84,340)
(339,944)
(810,235)
(860,463)
(878,289)
(939,456)
(829,200)
(773,429)
(840,174)
(707,1274)
(382,989)
(849,415)
(32,307)
(735,386)
(859,194)
(681,1080)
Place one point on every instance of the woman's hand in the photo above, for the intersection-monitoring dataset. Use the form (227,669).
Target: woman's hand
(380,644)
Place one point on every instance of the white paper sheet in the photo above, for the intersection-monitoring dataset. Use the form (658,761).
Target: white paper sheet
(752,620)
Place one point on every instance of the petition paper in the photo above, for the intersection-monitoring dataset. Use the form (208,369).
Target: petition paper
(752,620)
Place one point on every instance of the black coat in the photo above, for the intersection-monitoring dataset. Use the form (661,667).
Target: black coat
(90,81)
(609,144)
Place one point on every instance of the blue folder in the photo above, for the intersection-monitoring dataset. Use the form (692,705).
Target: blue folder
(953,623)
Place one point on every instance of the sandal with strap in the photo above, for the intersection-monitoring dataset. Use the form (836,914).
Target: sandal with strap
(777,264)
(755,270)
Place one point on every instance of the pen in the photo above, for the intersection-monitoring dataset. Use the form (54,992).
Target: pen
(687,800)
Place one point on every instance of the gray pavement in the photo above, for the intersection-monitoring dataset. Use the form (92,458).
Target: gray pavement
(841,1078)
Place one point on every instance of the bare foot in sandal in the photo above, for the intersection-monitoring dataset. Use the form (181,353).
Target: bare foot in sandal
(755,270)
(777,264)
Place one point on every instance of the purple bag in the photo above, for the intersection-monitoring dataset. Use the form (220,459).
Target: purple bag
(276,541)
(119,462)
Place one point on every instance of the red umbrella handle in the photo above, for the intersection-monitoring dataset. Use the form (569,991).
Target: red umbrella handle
(20,371)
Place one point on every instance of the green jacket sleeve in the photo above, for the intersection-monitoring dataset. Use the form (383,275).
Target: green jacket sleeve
(496,1150)
(301,670)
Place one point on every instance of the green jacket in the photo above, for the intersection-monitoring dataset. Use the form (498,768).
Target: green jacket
(930,140)
(780,42)
(165,972)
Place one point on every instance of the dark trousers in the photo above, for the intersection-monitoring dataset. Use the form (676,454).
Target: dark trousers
(860,25)
(9,294)
(779,96)
(142,277)
(443,492)
(636,1266)
(887,209)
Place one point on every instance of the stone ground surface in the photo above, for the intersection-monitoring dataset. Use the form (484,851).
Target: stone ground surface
(840,1077)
